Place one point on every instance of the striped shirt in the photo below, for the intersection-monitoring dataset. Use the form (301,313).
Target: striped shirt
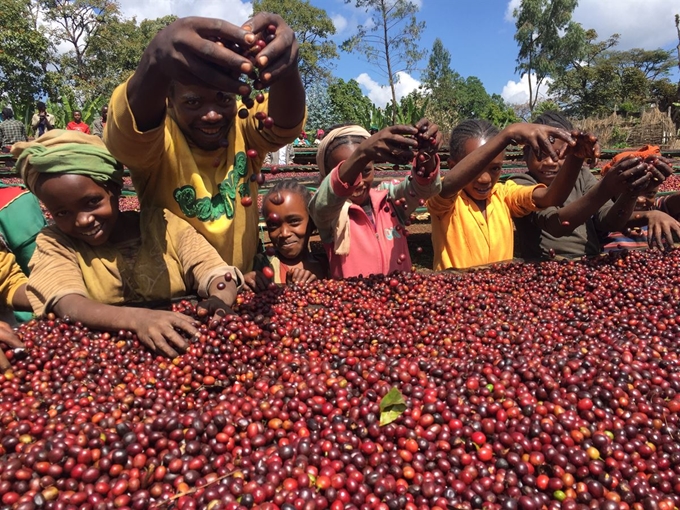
(11,132)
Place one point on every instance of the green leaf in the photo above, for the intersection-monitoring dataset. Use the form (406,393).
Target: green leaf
(392,406)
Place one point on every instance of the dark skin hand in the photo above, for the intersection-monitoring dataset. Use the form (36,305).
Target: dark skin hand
(661,226)
(9,338)
(622,180)
(536,136)
(393,144)
(196,50)
(300,276)
(256,281)
(158,330)
(219,301)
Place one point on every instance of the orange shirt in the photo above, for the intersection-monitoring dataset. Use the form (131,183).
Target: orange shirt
(462,237)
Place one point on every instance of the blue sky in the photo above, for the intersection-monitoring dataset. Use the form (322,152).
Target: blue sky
(478,34)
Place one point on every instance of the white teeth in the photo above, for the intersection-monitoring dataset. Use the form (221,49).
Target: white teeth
(92,232)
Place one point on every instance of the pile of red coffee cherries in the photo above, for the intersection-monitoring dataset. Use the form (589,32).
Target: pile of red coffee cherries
(553,385)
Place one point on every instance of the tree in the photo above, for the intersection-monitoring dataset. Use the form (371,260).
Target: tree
(347,101)
(676,103)
(24,57)
(312,28)
(120,44)
(389,40)
(77,23)
(320,112)
(601,80)
(439,84)
(547,38)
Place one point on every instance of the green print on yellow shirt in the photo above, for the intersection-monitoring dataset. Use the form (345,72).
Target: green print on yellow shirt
(213,208)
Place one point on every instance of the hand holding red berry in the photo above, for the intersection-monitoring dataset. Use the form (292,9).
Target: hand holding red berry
(9,338)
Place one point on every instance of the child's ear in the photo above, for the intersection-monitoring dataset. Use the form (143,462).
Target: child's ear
(450,162)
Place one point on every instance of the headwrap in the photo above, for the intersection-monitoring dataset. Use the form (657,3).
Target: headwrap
(66,152)
(341,227)
(642,153)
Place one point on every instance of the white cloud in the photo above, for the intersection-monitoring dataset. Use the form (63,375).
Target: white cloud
(517,92)
(339,22)
(648,25)
(235,11)
(380,95)
(512,5)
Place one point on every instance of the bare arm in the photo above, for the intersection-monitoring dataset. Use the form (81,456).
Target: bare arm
(585,147)
(387,145)
(534,135)
(20,300)
(156,329)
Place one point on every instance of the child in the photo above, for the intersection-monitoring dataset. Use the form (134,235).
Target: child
(471,217)
(654,220)
(12,296)
(286,211)
(95,256)
(578,228)
(346,209)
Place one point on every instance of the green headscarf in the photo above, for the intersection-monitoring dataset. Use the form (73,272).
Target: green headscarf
(66,152)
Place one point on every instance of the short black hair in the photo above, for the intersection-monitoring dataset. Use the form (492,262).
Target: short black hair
(554,118)
(292,186)
(289,185)
(467,130)
(7,113)
(41,105)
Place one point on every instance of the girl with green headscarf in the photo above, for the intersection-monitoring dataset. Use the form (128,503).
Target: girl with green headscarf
(96,258)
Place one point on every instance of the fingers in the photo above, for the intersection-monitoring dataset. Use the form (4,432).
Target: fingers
(161,345)
(256,281)
(4,363)
(661,165)
(668,235)
(640,182)
(184,323)
(8,337)
(281,52)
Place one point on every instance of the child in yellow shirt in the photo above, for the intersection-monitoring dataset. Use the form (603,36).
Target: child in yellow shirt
(12,295)
(472,216)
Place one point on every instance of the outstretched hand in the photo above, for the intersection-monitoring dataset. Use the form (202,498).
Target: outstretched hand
(256,281)
(215,53)
(393,144)
(661,230)
(300,276)
(158,331)
(628,175)
(540,139)
(586,147)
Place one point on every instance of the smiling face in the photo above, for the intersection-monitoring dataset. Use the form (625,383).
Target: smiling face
(203,114)
(361,193)
(287,224)
(480,189)
(81,207)
(545,169)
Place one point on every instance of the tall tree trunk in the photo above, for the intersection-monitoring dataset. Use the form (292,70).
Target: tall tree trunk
(531,102)
(390,76)
(676,113)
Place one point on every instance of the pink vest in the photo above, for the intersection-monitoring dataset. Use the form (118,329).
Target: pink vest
(373,250)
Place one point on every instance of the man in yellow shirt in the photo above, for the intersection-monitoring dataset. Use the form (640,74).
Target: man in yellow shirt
(174,123)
